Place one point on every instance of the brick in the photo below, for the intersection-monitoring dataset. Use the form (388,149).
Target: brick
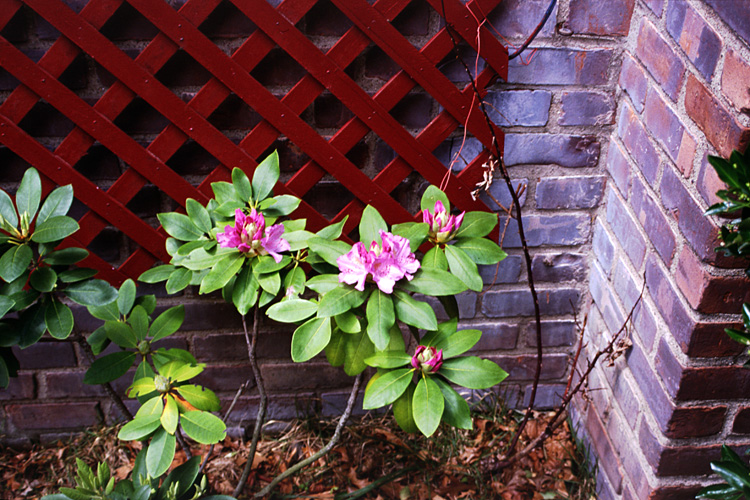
(554,333)
(20,387)
(459,153)
(721,128)
(220,378)
(234,114)
(46,355)
(708,383)
(334,404)
(507,303)
(71,415)
(280,407)
(329,112)
(633,81)
(545,149)
(708,340)
(570,192)
(506,271)
(553,230)
(664,124)
(559,267)
(587,108)
(602,247)
(592,17)
(226,21)
(741,424)
(671,461)
(624,282)
(280,377)
(414,111)
(737,18)
(499,191)
(70,385)
(653,221)
(734,80)
(604,297)
(518,18)
(608,459)
(45,121)
(379,66)
(495,336)
(648,383)
(519,108)
(553,66)
(668,367)
(230,347)
(548,396)
(205,316)
(695,422)
(414,20)
(625,397)
(467,305)
(686,154)
(140,118)
(324,19)
(182,70)
(637,142)
(675,493)
(523,367)
(707,293)
(645,325)
(696,227)
(619,168)
(659,59)
(701,43)
(708,183)
(625,229)
(668,302)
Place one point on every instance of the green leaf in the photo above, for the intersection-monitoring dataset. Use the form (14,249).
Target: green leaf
(336,348)
(157,274)
(200,397)
(434,282)
(144,370)
(140,428)
(109,367)
(292,310)
(357,348)
(323,283)
(271,282)
(403,411)
(154,406)
(430,196)
(138,321)
(388,359)
(6,304)
(43,279)
(57,203)
(329,251)
(160,453)
(266,264)
(285,204)
(59,319)
(98,340)
(428,405)
(29,193)
(456,411)
(170,415)
(91,293)
(8,210)
(734,474)
(245,291)
(222,272)
(66,256)
(198,215)
(241,184)
(183,476)
(76,275)
(32,325)
(464,268)
(472,372)
(121,334)
(141,387)
(414,312)
(126,297)
(54,229)
(108,312)
(435,259)
(481,250)
(387,388)
(167,322)
(310,339)
(380,318)
(297,239)
(178,280)
(477,225)
(295,279)
(415,232)
(348,322)
(179,371)
(265,176)
(339,300)
(370,226)
(15,261)
(203,427)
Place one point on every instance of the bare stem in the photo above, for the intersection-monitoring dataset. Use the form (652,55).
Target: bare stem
(323,451)
(116,399)
(224,419)
(261,416)
(183,444)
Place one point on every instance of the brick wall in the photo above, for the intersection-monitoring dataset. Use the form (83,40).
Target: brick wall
(679,393)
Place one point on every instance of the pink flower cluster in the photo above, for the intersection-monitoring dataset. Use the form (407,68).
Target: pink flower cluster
(387,264)
(443,226)
(249,235)
(427,359)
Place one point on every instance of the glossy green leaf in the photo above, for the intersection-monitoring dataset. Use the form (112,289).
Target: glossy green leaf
(434,282)
(458,343)
(43,279)
(59,319)
(370,226)
(472,372)
(170,416)
(15,261)
(140,428)
(200,397)
(76,275)
(380,318)
(477,225)
(94,292)
(348,322)
(734,474)
(285,204)
(435,259)
(179,371)
(323,283)
(403,411)
(57,203)
(98,340)
(66,256)
(141,387)
(295,279)
(463,268)
(32,325)
(456,411)
(178,280)
(310,339)
(241,184)
(329,251)
(167,322)
(265,177)
(144,370)
(266,264)
(8,209)
(29,193)
(54,229)
(387,388)
(336,348)
(414,312)
(6,304)
(138,321)
(358,347)
(107,312)
(109,367)
(179,226)
(333,231)
(203,427)
(415,232)
(428,405)
(183,476)
(160,453)
(430,196)
(121,334)
(154,406)
(481,250)
(271,282)
(126,297)
(157,274)
(292,310)
(222,272)
(389,359)
(339,300)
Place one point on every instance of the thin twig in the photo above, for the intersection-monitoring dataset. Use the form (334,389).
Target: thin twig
(116,399)
(183,444)
(261,416)
(336,435)
(224,419)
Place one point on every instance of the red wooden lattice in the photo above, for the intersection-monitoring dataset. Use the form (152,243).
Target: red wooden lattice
(178,30)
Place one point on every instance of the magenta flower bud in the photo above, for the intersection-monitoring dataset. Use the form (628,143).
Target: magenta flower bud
(443,226)
(427,358)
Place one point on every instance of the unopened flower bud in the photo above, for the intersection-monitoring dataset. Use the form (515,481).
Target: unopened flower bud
(427,358)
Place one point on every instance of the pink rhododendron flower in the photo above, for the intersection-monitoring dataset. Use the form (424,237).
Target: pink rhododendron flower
(443,226)
(249,235)
(427,359)
(387,263)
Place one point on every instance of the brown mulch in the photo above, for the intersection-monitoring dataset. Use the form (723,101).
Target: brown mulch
(374,460)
